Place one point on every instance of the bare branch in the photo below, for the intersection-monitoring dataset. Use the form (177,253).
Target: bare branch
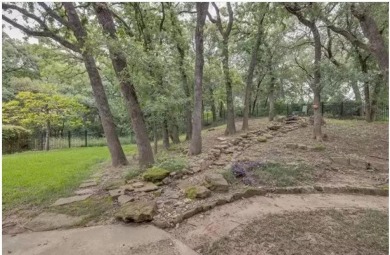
(54,15)
(304,69)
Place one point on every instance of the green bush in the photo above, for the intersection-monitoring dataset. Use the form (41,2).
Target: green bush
(15,138)
(172,164)
(155,174)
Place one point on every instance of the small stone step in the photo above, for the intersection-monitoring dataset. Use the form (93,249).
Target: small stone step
(69,200)
(49,221)
(85,191)
(88,184)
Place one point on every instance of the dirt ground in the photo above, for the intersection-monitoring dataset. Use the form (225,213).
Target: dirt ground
(313,232)
(318,235)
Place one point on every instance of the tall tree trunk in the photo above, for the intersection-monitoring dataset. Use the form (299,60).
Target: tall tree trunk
(377,43)
(249,78)
(155,137)
(214,111)
(220,109)
(47,138)
(187,92)
(374,97)
(196,139)
(358,96)
(316,83)
(271,99)
(256,94)
(119,62)
(367,94)
(230,121)
(174,130)
(165,134)
(117,155)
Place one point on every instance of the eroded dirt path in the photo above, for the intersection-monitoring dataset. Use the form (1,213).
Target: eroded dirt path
(206,228)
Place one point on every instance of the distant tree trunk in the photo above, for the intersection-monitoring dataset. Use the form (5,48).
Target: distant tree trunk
(196,139)
(47,138)
(271,99)
(230,121)
(257,94)
(155,138)
(377,43)
(367,96)
(220,109)
(119,62)
(317,133)
(165,134)
(188,112)
(358,96)
(249,77)
(174,130)
(117,155)
(214,111)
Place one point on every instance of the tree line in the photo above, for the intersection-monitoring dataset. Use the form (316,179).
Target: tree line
(149,63)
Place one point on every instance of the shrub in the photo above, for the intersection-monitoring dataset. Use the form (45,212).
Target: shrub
(155,174)
(172,164)
(15,138)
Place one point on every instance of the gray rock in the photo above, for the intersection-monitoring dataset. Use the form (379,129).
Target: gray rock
(202,192)
(262,139)
(137,211)
(123,199)
(302,146)
(359,163)
(217,182)
(292,146)
(116,193)
(138,185)
(69,200)
(147,186)
(85,191)
(340,160)
(49,221)
(88,184)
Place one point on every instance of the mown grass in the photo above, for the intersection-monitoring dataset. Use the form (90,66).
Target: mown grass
(38,178)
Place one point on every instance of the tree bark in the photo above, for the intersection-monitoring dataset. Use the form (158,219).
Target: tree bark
(256,94)
(155,138)
(358,96)
(196,139)
(165,134)
(230,120)
(316,83)
(47,138)
(174,130)
(249,79)
(119,63)
(377,44)
(271,99)
(117,155)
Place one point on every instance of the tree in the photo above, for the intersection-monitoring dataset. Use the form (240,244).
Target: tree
(196,139)
(252,65)
(127,88)
(316,86)
(43,111)
(73,24)
(231,125)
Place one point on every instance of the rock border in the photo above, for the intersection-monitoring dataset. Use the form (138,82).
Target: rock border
(252,191)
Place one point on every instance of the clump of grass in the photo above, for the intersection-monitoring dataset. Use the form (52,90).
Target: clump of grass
(319,147)
(91,208)
(133,173)
(171,163)
(283,175)
(191,192)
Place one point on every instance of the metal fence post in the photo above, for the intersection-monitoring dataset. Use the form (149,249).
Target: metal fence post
(69,139)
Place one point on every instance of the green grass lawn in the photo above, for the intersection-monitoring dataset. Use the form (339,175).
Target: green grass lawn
(39,178)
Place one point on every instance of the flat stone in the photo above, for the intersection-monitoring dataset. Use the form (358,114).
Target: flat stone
(123,199)
(358,163)
(88,184)
(137,211)
(85,191)
(292,146)
(379,166)
(147,186)
(268,136)
(262,139)
(221,139)
(138,185)
(49,221)
(340,160)
(302,146)
(69,200)
(217,182)
(127,187)
(114,193)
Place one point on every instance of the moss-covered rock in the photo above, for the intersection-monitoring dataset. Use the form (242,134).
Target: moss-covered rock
(262,139)
(137,211)
(197,192)
(155,174)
